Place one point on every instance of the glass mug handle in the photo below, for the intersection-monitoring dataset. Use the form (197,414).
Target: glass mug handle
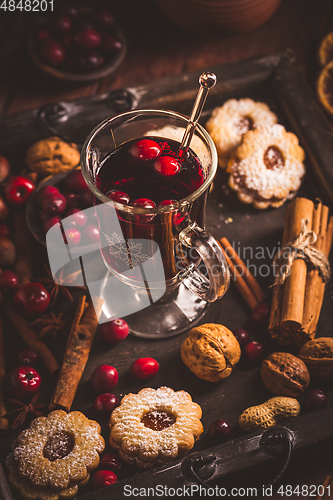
(217,283)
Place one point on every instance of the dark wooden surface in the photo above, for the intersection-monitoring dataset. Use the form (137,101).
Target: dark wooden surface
(157,49)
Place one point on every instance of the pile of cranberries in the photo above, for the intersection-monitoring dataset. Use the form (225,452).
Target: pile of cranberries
(77,39)
(69,199)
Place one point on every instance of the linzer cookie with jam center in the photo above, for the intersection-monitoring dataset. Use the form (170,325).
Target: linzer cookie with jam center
(55,455)
(230,122)
(153,427)
(267,168)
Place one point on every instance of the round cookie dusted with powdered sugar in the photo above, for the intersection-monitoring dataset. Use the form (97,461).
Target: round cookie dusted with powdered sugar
(230,122)
(155,426)
(55,455)
(267,168)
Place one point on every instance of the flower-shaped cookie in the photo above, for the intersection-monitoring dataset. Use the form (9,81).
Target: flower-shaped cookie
(155,426)
(267,168)
(230,122)
(59,450)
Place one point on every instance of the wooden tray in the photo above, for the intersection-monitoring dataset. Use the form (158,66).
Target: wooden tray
(273,79)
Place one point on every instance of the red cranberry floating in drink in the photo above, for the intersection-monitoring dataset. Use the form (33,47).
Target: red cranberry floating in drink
(53,52)
(75,182)
(27,356)
(77,217)
(62,23)
(114,331)
(90,233)
(104,378)
(9,281)
(143,203)
(144,368)
(167,165)
(4,230)
(22,382)
(18,190)
(254,351)
(88,38)
(242,336)
(102,478)
(315,400)
(106,403)
(110,461)
(46,191)
(119,197)
(54,204)
(145,149)
(73,236)
(32,299)
(50,223)
(260,315)
(219,430)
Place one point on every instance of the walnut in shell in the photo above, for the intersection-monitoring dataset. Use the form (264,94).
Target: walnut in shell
(285,374)
(317,354)
(52,156)
(210,351)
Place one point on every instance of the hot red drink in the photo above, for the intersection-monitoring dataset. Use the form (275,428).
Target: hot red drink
(147,173)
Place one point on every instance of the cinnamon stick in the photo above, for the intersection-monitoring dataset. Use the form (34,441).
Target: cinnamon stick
(240,283)
(3,409)
(247,275)
(77,352)
(21,235)
(31,339)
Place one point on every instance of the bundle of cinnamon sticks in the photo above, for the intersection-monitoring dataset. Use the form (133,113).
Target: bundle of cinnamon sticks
(297,303)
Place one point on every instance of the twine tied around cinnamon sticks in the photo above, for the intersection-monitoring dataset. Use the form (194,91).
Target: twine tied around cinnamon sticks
(302,248)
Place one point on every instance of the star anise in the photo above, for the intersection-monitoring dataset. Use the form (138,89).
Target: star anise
(50,324)
(24,410)
(54,287)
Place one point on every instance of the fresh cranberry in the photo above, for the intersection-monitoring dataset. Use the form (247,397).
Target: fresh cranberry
(50,223)
(219,430)
(71,11)
(145,149)
(86,199)
(254,351)
(54,204)
(110,461)
(42,34)
(32,299)
(143,203)
(9,281)
(88,38)
(67,41)
(102,478)
(167,165)
(23,382)
(260,315)
(77,217)
(104,18)
(62,23)
(46,191)
(315,400)
(144,368)
(27,356)
(4,230)
(91,60)
(242,336)
(110,45)
(104,378)
(114,331)
(18,189)
(106,402)
(164,203)
(75,182)
(72,200)
(73,236)
(119,197)
(53,52)
(90,233)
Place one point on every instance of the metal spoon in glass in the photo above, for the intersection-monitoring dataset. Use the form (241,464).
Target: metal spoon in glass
(207,80)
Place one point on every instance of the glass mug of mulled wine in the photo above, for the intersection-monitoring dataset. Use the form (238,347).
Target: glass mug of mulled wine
(150,203)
